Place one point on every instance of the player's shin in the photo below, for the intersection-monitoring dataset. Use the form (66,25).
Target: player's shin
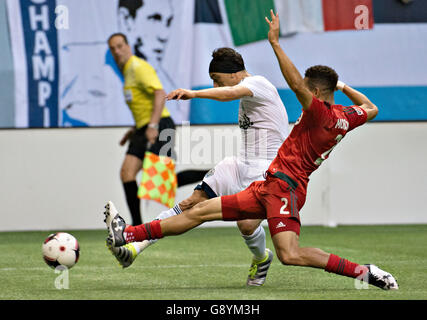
(146,231)
(208,210)
(369,274)
(205,211)
(140,246)
(345,267)
(157,229)
(256,242)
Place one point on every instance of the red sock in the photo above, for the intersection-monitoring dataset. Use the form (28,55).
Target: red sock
(146,231)
(344,267)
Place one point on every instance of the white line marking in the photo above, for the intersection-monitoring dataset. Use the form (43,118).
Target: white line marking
(139,267)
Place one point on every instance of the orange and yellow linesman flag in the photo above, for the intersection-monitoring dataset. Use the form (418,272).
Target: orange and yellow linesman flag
(158,180)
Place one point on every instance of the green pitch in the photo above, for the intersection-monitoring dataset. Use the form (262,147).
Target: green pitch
(212,263)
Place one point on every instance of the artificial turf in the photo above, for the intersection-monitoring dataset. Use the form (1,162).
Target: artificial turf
(213,263)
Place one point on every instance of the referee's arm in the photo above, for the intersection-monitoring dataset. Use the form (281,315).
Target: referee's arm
(158,105)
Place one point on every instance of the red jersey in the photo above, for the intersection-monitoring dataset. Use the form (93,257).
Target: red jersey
(315,134)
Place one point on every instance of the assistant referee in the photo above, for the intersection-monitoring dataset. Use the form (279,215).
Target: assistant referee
(145,97)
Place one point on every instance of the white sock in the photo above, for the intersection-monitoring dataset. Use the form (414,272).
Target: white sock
(256,243)
(140,246)
(169,213)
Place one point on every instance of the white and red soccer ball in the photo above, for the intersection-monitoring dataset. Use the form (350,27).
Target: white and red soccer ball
(61,249)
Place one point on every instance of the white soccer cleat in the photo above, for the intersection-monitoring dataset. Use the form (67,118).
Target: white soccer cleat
(258,270)
(125,255)
(115,224)
(380,278)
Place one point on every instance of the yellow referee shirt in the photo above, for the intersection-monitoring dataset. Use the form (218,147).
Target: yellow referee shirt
(140,83)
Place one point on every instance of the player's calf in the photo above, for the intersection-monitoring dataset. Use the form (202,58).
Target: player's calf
(290,258)
(368,273)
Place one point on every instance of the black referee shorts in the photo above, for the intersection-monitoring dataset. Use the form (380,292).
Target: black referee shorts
(164,145)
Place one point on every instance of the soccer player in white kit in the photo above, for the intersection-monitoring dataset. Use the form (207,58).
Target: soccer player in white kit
(264,126)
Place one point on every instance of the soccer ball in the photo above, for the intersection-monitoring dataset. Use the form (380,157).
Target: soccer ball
(61,249)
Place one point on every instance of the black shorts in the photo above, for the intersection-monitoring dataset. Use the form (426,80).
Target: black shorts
(164,145)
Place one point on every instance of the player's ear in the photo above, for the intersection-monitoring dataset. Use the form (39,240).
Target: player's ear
(316,92)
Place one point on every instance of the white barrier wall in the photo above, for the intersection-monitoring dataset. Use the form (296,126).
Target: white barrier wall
(60,179)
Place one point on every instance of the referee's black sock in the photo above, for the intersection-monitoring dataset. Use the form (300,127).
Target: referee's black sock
(131,192)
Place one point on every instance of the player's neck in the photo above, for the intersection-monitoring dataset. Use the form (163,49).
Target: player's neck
(328,98)
(122,65)
(243,74)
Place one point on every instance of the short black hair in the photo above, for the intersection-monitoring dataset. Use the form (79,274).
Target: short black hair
(132,6)
(118,34)
(323,77)
(226,60)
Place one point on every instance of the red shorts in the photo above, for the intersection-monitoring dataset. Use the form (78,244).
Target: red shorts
(272,199)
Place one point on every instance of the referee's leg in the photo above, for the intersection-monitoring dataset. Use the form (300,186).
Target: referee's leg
(128,172)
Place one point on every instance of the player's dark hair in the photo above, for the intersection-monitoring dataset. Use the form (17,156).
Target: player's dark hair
(322,77)
(118,34)
(131,5)
(226,60)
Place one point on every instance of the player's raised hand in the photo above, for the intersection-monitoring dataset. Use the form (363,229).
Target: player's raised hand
(181,94)
(273,33)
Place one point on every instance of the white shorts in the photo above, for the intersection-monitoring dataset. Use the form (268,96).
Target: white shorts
(233,175)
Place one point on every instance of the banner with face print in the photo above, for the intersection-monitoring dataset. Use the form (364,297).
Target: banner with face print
(65,75)
(161,33)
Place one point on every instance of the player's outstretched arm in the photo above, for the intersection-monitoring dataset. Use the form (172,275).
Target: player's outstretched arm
(289,71)
(219,93)
(359,99)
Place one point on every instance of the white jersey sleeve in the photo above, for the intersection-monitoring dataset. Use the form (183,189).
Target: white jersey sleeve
(260,87)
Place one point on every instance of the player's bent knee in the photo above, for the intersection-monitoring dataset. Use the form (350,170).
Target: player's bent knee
(186,204)
(197,197)
(247,227)
(290,258)
(128,174)
(198,211)
(130,168)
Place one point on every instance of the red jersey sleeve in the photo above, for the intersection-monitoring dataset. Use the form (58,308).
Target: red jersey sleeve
(356,116)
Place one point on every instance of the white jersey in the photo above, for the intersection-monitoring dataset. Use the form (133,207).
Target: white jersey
(264,123)
(263,120)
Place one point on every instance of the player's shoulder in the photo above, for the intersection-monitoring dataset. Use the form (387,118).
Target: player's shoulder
(259,83)
(257,79)
(320,110)
(140,65)
(317,104)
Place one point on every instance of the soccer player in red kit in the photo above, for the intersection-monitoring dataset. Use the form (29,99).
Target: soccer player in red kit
(281,196)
